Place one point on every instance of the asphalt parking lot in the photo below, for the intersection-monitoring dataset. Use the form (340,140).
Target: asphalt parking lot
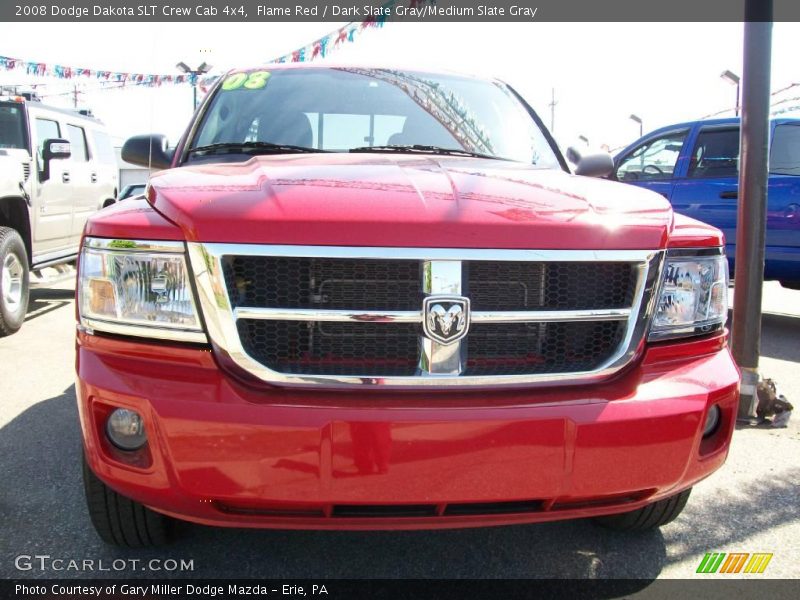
(751,505)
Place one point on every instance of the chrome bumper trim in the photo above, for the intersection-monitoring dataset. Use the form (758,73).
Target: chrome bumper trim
(89,326)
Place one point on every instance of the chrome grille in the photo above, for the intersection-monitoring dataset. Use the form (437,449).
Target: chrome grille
(338,316)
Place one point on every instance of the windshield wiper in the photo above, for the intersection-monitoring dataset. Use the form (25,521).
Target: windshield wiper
(250,148)
(423,149)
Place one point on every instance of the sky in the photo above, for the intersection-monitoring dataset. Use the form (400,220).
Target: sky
(601,72)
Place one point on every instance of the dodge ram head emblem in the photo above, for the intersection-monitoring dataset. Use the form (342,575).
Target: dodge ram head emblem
(445,318)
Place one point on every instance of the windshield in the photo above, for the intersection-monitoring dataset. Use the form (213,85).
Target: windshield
(340,109)
(12,127)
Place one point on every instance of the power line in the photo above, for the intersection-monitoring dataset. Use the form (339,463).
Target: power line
(775,93)
(101,88)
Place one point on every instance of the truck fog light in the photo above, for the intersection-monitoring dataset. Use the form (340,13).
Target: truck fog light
(125,429)
(712,421)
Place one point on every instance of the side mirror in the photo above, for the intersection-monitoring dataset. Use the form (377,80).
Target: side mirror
(596,164)
(55,148)
(147,151)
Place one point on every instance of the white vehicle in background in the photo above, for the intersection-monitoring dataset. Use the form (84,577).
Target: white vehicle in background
(57,168)
(130,191)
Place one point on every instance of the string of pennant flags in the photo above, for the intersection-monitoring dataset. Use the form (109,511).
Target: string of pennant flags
(41,69)
(319,48)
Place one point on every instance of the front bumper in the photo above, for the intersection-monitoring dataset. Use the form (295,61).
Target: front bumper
(222,453)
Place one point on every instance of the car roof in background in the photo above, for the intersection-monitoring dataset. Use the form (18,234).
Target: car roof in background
(723,121)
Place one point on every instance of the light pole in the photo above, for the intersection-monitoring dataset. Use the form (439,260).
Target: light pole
(733,79)
(193,74)
(637,119)
(752,203)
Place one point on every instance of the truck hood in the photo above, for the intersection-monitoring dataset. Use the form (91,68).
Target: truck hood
(406,201)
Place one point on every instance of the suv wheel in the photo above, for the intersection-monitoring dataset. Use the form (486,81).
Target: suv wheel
(120,521)
(14,278)
(648,517)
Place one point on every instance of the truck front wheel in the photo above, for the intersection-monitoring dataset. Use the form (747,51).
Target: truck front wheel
(648,517)
(120,521)
(14,279)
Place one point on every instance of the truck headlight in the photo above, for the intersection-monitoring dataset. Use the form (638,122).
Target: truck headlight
(693,297)
(139,288)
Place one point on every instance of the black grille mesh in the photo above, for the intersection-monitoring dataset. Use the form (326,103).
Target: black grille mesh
(548,286)
(379,349)
(326,283)
(537,348)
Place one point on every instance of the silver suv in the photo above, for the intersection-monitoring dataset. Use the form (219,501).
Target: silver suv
(57,167)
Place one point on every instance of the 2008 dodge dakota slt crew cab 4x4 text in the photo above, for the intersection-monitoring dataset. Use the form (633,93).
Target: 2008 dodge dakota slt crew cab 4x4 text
(372,298)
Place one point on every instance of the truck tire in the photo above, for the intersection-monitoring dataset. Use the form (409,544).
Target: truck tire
(14,280)
(120,521)
(648,517)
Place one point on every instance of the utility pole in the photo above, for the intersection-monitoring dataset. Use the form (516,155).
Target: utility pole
(751,230)
(553,111)
(75,93)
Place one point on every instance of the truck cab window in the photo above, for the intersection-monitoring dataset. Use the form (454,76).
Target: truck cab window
(12,127)
(45,130)
(77,140)
(105,151)
(653,160)
(346,130)
(785,151)
(716,154)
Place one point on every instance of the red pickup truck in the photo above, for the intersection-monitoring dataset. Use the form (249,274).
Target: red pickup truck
(368,298)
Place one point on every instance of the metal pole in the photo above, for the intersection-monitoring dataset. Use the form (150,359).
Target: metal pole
(194,95)
(751,229)
(737,100)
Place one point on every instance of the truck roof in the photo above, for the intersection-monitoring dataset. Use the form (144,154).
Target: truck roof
(66,111)
(723,121)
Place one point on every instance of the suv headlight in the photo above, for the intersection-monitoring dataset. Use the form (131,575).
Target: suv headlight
(139,288)
(693,298)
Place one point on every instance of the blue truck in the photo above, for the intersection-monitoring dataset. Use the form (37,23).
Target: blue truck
(695,165)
